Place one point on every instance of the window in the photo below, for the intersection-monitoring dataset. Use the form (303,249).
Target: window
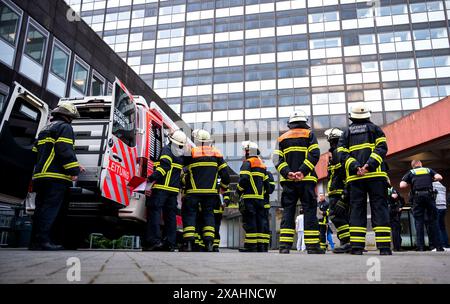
(59,66)
(24,122)
(36,44)
(124,118)
(9,24)
(80,76)
(35,49)
(97,84)
(3,96)
(60,62)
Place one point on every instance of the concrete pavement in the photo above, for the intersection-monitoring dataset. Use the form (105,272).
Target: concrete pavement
(228,266)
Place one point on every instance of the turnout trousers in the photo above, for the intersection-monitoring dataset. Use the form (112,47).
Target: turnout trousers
(323,227)
(425,213)
(164,202)
(253,223)
(292,192)
(263,246)
(190,213)
(339,221)
(218,213)
(50,198)
(377,191)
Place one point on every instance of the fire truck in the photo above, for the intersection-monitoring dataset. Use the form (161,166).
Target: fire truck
(118,139)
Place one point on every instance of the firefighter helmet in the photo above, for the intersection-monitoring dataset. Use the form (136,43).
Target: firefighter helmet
(250,147)
(201,135)
(66,109)
(360,111)
(178,137)
(298,115)
(333,133)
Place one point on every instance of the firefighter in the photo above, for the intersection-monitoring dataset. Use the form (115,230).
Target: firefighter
(424,210)
(338,210)
(296,155)
(56,167)
(167,183)
(395,204)
(205,165)
(362,149)
(323,206)
(253,183)
(266,217)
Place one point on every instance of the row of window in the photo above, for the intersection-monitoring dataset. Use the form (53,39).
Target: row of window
(37,54)
(323,21)
(289,75)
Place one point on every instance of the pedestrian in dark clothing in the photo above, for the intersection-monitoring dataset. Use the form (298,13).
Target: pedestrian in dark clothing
(424,209)
(395,204)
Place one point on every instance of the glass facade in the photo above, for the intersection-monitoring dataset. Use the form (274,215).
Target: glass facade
(255,61)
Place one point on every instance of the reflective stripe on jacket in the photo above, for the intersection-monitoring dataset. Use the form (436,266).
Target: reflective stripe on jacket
(253,179)
(56,159)
(297,150)
(336,175)
(363,143)
(167,172)
(205,166)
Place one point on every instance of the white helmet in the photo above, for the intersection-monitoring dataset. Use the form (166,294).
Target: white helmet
(298,115)
(360,111)
(250,147)
(333,133)
(178,137)
(201,135)
(68,109)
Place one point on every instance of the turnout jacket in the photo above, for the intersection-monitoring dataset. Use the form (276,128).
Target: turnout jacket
(363,143)
(205,165)
(56,159)
(336,175)
(167,174)
(297,150)
(253,179)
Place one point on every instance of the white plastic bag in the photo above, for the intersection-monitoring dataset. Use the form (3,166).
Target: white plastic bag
(30,203)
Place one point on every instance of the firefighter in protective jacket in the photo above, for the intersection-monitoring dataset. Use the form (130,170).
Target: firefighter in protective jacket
(338,211)
(205,165)
(253,184)
(167,184)
(362,149)
(295,157)
(56,167)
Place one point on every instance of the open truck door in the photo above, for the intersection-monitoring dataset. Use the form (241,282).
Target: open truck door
(23,118)
(119,164)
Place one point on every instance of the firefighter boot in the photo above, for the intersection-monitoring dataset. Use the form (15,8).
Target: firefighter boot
(249,249)
(284,250)
(357,251)
(385,251)
(188,246)
(344,248)
(315,250)
(263,247)
(209,246)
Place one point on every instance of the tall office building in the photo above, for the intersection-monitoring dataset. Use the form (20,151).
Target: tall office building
(246,64)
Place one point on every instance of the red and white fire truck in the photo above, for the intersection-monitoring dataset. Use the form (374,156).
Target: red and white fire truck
(117,139)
